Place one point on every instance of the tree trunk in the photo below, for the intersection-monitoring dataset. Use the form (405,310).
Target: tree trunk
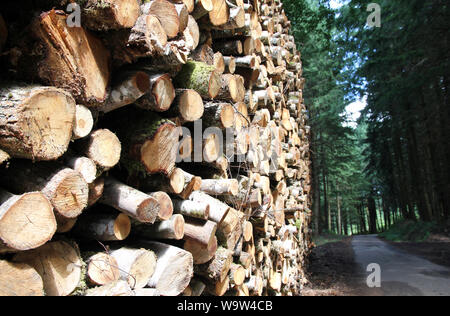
(63,187)
(102,269)
(136,266)
(35,122)
(26,221)
(173,228)
(51,258)
(70,58)
(174,269)
(199,77)
(103,147)
(103,227)
(18,279)
(130,201)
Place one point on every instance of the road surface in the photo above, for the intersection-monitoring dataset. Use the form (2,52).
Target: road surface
(401,273)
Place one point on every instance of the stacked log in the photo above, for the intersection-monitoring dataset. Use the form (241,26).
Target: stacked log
(160,148)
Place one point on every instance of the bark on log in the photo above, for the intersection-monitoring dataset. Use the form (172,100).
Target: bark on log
(217,211)
(230,229)
(174,269)
(188,106)
(35,122)
(201,253)
(219,115)
(202,7)
(96,191)
(199,77)
(136,266)
(218,268)
(129,87)
(60,266)
(84,166)
(19,279)
(70,58)
(147,38)
(191,209)
(200,231)
(103,227)
(63,187)
(130,201)
(233,47)
(173,228)
(104,15)
(26,221)
(174,183)
(220,187)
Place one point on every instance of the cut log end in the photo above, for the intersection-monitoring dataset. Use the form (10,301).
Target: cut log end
(165,204)
(17,279)
(44,123)
(83,122)
(190,106)
(27,221)
(71,194)
(104,148)
(55,256)
(102,269)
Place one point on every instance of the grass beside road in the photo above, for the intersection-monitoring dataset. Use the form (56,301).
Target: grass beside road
(326,238)
(410,231)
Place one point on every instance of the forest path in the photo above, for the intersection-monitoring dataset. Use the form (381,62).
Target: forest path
(401,273)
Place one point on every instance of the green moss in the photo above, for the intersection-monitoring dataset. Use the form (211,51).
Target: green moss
(195,75)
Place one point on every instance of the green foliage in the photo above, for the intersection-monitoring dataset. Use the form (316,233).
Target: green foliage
(409,231)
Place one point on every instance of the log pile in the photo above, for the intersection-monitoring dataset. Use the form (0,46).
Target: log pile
(158,148)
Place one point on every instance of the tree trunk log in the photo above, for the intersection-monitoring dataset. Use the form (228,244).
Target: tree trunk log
(130,201)
(18,279)
(104,15)
(60,266)
(102,269)
(160,96)
(71,58)
(174,269)
(217,269)
(103,227)
(217,210)
(167,14)
(199,77)
(63,187)
(151,146)
(200,231)
(35,122)
(136,266)
(191,209)
(26,221)
(103,147)
(173,228)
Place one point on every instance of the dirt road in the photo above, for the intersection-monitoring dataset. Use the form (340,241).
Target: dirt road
(401,273)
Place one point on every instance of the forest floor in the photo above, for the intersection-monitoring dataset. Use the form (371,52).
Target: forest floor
(332,271)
